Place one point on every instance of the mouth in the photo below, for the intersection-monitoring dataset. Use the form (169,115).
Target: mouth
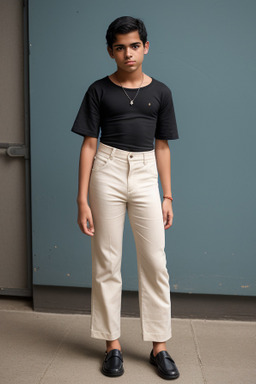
(130,62)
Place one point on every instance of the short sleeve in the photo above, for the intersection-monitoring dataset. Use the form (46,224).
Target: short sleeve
(87,122)
(166,128)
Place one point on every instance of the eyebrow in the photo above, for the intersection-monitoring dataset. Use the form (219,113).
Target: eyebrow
(122,45)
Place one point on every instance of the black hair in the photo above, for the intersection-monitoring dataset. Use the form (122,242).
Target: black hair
(123,25)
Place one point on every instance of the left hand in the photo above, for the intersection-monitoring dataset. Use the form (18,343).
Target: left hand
(167,213)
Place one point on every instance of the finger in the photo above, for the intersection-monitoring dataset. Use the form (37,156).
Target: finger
(85,229)
(167,226)
(91,226)
(88,232)
(169,221)
(164,217)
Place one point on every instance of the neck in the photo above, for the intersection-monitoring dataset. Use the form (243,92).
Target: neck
(132,78)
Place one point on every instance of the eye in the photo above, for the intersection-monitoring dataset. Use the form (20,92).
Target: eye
(119,48)
(135,46)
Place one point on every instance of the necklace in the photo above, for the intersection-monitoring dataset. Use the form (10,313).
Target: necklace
(132,100)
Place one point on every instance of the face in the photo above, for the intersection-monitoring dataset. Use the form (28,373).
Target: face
(128,51)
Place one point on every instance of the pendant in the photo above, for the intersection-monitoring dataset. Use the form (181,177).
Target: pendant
(131,102)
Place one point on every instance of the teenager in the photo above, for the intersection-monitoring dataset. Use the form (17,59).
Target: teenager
(132,110)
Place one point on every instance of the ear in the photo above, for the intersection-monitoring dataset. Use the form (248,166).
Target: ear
(146,48)
(110,52)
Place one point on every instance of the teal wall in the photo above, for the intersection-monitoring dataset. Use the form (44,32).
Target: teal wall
(205,52)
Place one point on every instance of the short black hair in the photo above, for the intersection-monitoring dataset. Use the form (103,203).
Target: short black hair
(123,25)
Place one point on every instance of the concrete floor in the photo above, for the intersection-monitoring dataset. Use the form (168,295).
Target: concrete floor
(42,348)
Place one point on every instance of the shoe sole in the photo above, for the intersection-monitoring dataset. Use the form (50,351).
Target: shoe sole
(109,374)
(161,374)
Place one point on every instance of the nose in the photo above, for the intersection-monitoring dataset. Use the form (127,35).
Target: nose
(128,53)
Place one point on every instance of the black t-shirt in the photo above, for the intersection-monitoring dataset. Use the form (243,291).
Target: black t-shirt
(125,126)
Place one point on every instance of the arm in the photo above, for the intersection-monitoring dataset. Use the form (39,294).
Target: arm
(163,160)
(88,151)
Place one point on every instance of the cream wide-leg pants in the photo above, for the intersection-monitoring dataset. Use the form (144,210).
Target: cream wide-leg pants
(123,180)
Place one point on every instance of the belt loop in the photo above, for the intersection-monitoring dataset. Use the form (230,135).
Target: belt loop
(112,153)
(144,158)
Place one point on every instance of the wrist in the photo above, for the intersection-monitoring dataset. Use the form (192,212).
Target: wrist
(169,197)
(81,201)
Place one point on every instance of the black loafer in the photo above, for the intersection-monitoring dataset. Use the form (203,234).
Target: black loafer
(165,365)
(113,363)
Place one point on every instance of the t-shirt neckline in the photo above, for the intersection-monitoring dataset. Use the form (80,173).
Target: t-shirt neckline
(130,89)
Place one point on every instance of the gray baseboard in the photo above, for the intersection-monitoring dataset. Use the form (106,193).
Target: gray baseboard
(23,292)
(194,306)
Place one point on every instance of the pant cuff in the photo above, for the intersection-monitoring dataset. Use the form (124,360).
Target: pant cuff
(158,337)
(105,335)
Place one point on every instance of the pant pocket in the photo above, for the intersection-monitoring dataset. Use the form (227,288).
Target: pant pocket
(100,162)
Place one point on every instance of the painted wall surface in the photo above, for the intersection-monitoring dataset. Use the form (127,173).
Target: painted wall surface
(205,52)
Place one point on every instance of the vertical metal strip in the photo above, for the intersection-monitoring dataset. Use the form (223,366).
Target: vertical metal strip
(27,141)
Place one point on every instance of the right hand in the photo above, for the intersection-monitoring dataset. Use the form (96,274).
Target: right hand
(84,216)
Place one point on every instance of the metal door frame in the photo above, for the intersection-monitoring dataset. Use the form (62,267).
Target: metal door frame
(23,150)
